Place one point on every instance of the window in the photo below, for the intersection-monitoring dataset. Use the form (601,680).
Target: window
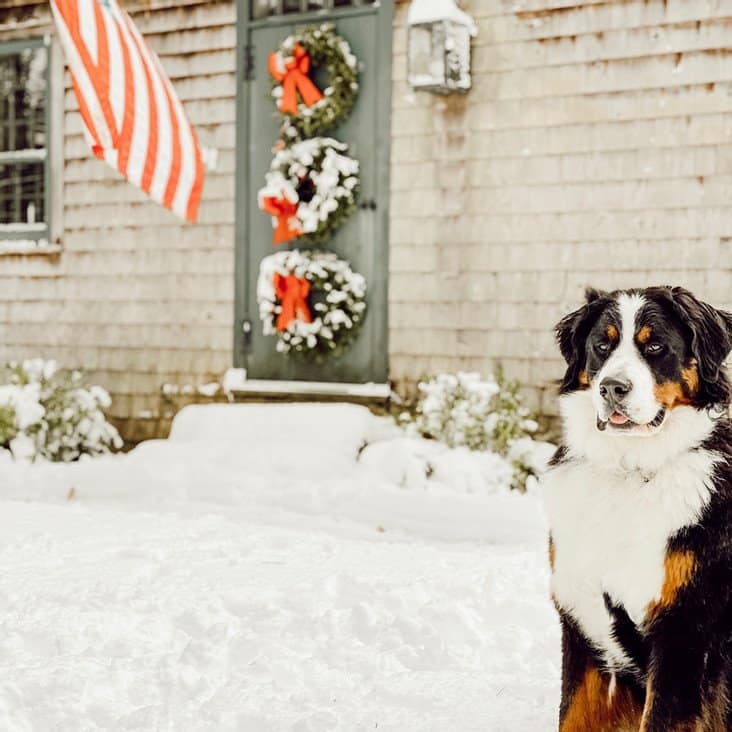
(265,8)
(24,155)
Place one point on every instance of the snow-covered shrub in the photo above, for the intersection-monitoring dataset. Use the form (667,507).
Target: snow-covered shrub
(48,413)
(465,410)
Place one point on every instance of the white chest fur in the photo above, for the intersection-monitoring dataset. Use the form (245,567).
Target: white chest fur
(610,526)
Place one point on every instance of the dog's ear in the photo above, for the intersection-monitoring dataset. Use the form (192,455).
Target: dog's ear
(711,340)
(572,331)
(592,294)
(711,331)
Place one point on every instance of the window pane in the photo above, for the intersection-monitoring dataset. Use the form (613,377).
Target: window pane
(23,100)
(265,8)
(21,193)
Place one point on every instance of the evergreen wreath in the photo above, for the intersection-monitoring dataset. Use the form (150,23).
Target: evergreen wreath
(310,190)
(308,111)
(312,300)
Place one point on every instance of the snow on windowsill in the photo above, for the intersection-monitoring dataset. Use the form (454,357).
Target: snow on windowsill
(28,247)
(235,382)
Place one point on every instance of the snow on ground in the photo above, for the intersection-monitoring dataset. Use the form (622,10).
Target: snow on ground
(279,567)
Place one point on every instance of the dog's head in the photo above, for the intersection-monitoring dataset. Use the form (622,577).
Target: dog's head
(643,353)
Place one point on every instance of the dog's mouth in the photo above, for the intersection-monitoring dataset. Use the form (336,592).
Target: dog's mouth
(617,421)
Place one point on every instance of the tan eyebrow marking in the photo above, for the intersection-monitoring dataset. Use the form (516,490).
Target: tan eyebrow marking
(612,332)
(644,334)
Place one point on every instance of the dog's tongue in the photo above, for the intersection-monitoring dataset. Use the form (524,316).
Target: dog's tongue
(617,418)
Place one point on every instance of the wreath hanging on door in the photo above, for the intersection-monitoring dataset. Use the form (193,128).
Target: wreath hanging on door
(307,110)
(312,301)
(310,190)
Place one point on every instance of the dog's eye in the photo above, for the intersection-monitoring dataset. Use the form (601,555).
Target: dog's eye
(602,346)
(654,348)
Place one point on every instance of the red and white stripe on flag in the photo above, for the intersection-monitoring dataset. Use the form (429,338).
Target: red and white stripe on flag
(130,111)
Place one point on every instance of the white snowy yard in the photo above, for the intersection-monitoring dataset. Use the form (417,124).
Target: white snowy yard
(262,570)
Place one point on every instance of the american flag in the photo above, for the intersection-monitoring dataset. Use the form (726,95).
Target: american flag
(129,109)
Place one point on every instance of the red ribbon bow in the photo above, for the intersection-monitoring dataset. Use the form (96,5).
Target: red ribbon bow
(295,79)
(285,211)
(292,292)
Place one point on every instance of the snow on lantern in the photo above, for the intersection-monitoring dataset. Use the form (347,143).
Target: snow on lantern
(439,46)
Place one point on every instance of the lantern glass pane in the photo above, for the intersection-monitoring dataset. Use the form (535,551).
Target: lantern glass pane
(457,58)
(427,55)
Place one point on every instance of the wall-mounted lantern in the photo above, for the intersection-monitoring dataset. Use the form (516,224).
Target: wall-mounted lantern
(438,46)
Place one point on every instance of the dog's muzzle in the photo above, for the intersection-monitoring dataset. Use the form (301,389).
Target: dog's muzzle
(614,390)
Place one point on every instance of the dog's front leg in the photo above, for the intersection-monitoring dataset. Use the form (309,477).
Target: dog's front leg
(684,676)
(593,700)
(674,691)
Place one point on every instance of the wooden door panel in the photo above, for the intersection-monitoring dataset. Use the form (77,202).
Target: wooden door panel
(362,240)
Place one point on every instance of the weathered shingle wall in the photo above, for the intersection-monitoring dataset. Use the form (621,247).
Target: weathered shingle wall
(595,148)
(136,297)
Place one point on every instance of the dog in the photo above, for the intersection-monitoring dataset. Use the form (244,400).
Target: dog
(639,502)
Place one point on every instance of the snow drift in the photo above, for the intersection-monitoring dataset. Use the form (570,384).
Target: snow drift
(274,567)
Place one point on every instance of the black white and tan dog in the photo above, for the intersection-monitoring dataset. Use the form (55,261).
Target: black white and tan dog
(639,501)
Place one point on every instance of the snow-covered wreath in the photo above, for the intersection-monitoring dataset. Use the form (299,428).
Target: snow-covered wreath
(310,190)
(307,110)
(312,300)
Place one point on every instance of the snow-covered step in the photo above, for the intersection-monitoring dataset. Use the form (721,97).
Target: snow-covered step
(342,427)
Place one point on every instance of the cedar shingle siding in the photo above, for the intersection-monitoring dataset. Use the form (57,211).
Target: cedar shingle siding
(136,297)
(594,148)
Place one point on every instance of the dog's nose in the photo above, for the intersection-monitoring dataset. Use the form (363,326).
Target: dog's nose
(614,388)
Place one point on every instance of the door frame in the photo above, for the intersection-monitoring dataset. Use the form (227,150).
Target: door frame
(245,190)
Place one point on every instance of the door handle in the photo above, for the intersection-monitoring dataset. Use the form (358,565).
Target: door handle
(369,205)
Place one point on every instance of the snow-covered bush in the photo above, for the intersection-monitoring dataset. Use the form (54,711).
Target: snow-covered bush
(48,413)
(465,410)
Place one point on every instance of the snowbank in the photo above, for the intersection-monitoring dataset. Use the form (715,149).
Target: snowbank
(335,461)
(278,567)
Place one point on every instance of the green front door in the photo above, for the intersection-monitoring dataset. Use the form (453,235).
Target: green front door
(363,239)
